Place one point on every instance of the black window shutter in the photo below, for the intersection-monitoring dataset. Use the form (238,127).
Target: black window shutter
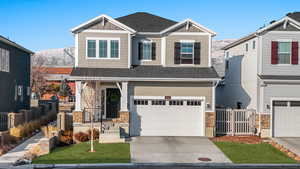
(177,53)
(197,51)
(140,51)
(153,52)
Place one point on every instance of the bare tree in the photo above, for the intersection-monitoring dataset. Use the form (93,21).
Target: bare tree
(88,94)
(38,72)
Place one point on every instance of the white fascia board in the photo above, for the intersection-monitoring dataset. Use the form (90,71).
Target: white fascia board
(191,21)
(103,16)
(293,22)
(104,31)
(145,79)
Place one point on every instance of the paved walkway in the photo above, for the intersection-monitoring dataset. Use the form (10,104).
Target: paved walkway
(174,150)
(18,152)
(291,143)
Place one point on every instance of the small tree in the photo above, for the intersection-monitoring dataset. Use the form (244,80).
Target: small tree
(89,98)
(65,89)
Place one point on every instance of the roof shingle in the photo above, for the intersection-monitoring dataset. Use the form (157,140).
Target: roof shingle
(148,72)
(146,22)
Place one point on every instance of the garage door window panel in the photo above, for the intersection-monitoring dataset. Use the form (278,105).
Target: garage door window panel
(176,102)
(140,102)
(158,102)
(295,103)
(280,103)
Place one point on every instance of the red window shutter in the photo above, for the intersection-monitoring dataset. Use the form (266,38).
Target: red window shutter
(295,53)
(274,54)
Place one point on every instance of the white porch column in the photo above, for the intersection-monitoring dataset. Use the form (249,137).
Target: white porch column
(124,96)
(78,86)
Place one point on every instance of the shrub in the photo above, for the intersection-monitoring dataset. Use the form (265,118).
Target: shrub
(81,137)
(66,137)
(96,134)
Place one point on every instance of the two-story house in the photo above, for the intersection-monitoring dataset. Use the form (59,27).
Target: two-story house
(263,73)
(14,76)
(147,72)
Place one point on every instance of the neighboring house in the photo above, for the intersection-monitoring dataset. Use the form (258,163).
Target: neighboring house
(149,73)
(14,76)
(263,73)
(55,76)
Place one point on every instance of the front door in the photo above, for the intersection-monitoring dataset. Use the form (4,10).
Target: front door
(112,102)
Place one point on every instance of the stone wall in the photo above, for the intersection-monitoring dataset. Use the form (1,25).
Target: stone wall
(210,124)
(44,146)
(78,117)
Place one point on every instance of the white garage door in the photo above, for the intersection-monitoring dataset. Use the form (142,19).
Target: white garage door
(286,122)
(175,116)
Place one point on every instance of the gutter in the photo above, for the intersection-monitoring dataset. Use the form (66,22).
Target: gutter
(145,79)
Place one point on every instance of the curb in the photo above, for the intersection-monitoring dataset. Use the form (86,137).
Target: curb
(132,165)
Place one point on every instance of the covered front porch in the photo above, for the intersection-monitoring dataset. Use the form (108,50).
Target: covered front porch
(105,103)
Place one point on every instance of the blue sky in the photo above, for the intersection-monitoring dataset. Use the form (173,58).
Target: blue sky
(44,24)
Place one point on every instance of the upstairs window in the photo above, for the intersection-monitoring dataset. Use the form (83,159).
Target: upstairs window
(246,46)
(114,48)
(147,50)
(284,52)
(103,48)
(253,44)
(99,48)
(186,52)
(91,48)
(4,60)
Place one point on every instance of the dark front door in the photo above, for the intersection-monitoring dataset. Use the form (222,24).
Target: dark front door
(112,102)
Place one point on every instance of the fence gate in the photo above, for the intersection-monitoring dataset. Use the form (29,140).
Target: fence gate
(235,122)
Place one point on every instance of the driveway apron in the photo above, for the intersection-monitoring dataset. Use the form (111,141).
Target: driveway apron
(175,150)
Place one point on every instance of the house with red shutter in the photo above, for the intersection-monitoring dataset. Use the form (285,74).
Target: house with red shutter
(263,73)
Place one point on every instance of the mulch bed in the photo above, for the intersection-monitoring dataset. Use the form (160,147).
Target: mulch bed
(238,139)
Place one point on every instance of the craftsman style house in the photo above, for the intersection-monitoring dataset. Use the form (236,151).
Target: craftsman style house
(263,73)
(149,75)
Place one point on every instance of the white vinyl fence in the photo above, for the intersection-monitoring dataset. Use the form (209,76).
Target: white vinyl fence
(235,122)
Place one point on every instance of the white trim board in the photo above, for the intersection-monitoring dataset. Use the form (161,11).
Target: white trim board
(117,23)
(199,26)
(144,79)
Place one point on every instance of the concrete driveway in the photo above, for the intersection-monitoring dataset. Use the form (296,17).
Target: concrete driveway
(174,150)
(291,143)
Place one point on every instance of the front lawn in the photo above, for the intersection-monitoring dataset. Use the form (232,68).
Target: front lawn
(253,153)
(78,153)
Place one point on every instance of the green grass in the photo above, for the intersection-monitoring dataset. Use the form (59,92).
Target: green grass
(253,153)
(78,153)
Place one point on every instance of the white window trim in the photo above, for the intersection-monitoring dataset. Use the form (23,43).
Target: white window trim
(187,41)
(285,64)
(97,48)
(4,60)
(147,41)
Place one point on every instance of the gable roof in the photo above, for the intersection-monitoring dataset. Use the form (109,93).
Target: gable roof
(294,15)
(9,42)
(146,22)
(189,21)
(99,18)
(143,22)
(292,18)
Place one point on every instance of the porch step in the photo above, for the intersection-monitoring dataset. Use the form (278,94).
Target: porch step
(110,133)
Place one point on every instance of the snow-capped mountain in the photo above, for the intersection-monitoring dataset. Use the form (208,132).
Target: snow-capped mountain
(65,56)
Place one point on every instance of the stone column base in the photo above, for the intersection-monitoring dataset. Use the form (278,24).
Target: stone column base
(210,124)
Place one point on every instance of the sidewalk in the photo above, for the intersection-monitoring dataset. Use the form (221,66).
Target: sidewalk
(18,152)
